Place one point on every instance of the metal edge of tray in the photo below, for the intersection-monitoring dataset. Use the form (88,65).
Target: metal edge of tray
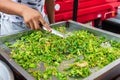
(106,73)
(18,71)
(98,32)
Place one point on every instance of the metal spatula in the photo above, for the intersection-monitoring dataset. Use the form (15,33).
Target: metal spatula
(56,32)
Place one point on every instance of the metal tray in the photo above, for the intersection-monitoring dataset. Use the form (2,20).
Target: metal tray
(71,26)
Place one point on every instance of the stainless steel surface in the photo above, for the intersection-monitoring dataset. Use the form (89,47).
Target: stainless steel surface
(56,32)
(72,26)
(5,72)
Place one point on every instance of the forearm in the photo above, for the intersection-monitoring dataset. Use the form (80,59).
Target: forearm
(31,17)
(10,7)
(50,10)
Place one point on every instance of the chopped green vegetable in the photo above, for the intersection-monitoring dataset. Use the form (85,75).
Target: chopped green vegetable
(83,49)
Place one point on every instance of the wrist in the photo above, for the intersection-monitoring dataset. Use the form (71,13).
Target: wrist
(23,10)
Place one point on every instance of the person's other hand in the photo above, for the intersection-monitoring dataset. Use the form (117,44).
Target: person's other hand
(33,18)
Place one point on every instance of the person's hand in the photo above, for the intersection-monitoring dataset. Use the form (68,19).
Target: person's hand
(33,18)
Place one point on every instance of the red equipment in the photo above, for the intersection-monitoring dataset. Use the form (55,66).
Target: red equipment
(88,10)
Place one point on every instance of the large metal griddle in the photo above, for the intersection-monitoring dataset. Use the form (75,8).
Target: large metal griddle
(21,74)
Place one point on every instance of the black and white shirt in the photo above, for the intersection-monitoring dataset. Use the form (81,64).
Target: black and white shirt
(35,4)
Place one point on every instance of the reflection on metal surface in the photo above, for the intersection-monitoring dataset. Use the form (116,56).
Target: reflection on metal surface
(5,72)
